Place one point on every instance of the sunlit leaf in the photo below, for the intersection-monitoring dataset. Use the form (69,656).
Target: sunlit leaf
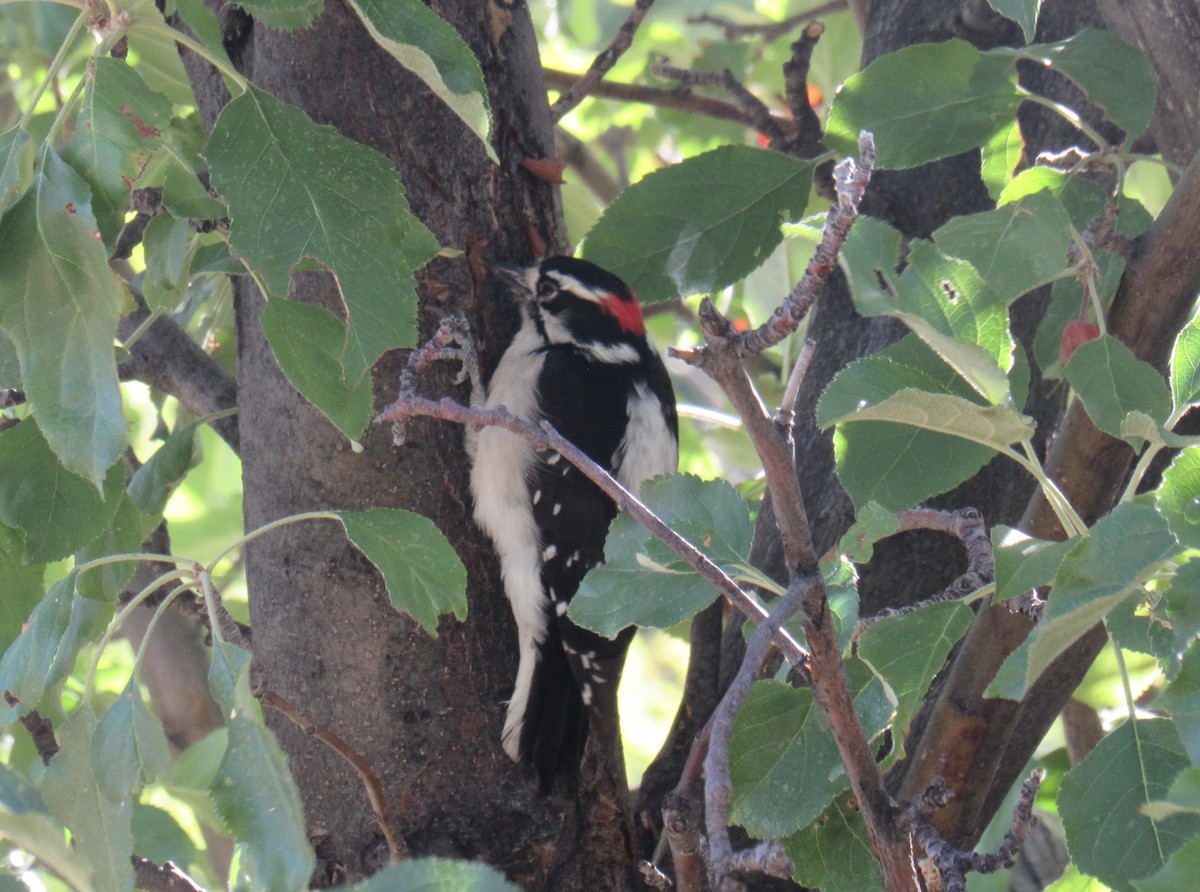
(925,102)
(1178,496)
(436,875)
(284,15)
(1185,364)
(1023,12)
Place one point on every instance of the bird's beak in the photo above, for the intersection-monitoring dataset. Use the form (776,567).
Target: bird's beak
(518,278)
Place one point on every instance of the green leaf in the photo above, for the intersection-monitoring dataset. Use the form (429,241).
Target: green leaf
(834,853)
(253,790)
(1112,382)
(129,748)
(700,225)
(158,836)
(1100,797)
(783,762)
(1179,872)
(23,586)
(118,128)
(45,651)
(166,243)
(1185,365)
(925,102)
(907,651)
(308,192)
(59,303)
(642,582)
(100,827)
(45,841)
(185,196)
(284,15)
(424,576)
(1178,496)
(1182,700)
(16,167)
(436,875)
(307,342)
(58,511)
(1023,12)
(993,426)
(157,479)
(429,47)
(1000,156)
(872,523)
(1014,248)
(1182,599)
(1113,74)
(122,536)
(1124,548)
(1024,563)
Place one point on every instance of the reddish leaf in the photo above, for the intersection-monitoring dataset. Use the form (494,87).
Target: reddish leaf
(548,170)
(1075,334)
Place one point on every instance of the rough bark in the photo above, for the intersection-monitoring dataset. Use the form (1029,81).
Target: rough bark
(426,712)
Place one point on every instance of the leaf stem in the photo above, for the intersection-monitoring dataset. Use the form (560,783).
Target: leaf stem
(1139,471)
(1130,704)
(158,612)
(55,64)
(163,29)
(1070,520)
(266,528)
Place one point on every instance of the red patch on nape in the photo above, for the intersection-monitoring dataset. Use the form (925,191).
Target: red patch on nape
(627,312)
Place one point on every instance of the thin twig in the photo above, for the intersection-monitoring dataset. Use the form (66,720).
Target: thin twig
(717,785)
(544,436)
(768,31)
(757,113)
(397,847)
(235,633)
(602,63)
(786,415)
(805,139)
(679,98)
(682,815)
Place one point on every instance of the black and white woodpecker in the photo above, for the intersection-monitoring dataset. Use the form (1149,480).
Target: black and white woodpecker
(581,361)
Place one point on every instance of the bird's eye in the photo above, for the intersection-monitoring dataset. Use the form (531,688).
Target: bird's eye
(547,288)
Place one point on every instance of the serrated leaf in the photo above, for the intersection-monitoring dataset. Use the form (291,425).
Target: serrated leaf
(993,426)
(436,875)
(307,342)
(23,587)
(1100,797)
(1024,563)
(1112,382)
(925,102)
(1000,157)
(100,828)
(1182,700)
(1023,12)
(907,651)
(122,536)
(700,225)
(157,479)
(641,581)
(59,303)
(45,651)
(16,167)
(834,853)
(58,511)
(1178,496)
(118,127)
(129,748)
(1123,549)
(783,762)
(1185,365)
(423,574)
(1113,74)
(253,790)
(429,47)
(1014,248)
(308,192)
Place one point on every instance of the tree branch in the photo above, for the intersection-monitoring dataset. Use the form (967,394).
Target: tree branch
(768,31)
(166,877)
(601,65)
(679,98)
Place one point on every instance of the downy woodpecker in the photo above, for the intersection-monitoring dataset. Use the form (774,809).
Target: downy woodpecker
(581,361)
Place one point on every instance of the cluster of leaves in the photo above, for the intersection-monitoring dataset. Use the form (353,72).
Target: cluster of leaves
(911,422)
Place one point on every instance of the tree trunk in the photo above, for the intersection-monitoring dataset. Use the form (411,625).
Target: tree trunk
(425,712)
